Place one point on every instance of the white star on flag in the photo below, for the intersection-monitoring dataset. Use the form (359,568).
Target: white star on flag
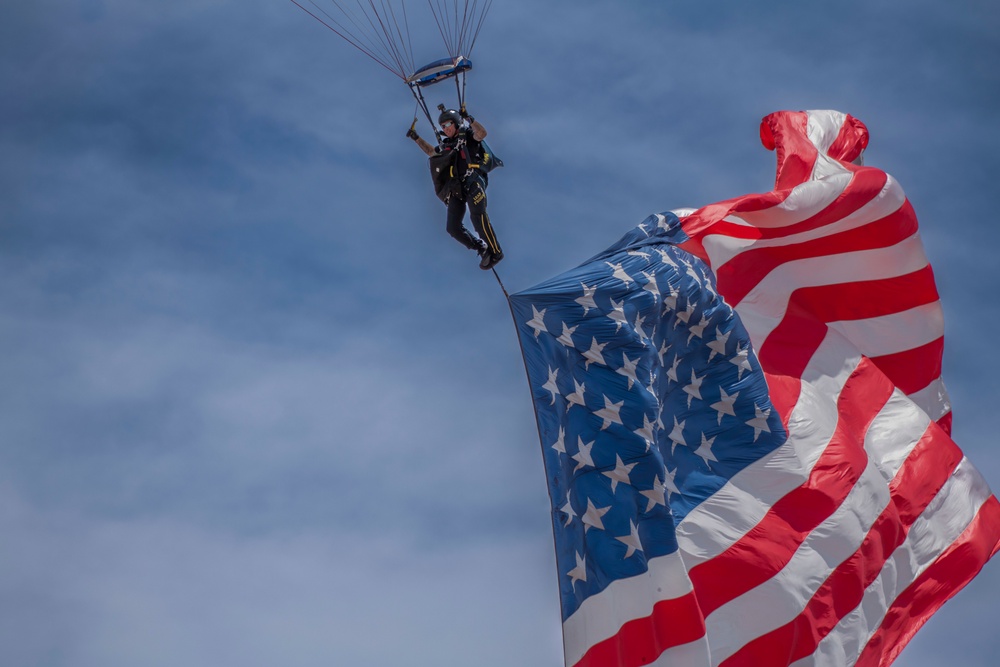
(631,540)
(620,473)
(537,321)
(726,403)
(718,346)
(576,398)
(705,449)
(587,300)
(593,355)
(646,432)
(592,517)
(759,422)
(610,413)
(656,495)
(677,435)
(685,315)
(628,369)
(560,444)
(665,256)
(698,329)
(567,509)
(669,302)
(551,385)
(668,479)
(694,275)
(617,314)
(651,286)
(741,360)
(693,390)
(578,573)
(639,321)
(582,457)
(620,273)
(651,387)
(672,371)
(566,338)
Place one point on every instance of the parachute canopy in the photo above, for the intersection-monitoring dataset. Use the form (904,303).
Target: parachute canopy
(439,70)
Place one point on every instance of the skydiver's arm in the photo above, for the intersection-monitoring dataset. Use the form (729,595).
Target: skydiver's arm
(421,144)
(478,131)
(425,147)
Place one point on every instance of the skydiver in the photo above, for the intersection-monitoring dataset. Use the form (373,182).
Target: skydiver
(459,166)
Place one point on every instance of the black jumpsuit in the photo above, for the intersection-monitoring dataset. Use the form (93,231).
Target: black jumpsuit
(469,189)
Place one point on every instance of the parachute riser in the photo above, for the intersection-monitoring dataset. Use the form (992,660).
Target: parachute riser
(422,103)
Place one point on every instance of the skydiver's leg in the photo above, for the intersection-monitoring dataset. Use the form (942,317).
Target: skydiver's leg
(456,212)
(476,196)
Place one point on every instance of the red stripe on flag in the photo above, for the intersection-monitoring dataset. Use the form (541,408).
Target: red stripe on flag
(945,423)
(785,391)
(707,219)
(912,370)
(787,134)
(864,186)
(767,548)
(925,471)
(737,277)
(851,140)
(792,343)
(640,641)
(955,568)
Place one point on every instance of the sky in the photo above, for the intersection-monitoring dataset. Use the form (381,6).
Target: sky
(257,408)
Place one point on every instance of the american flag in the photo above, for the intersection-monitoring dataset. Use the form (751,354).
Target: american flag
(744,429)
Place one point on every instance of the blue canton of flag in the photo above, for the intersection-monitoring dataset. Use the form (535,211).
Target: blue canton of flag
(648,398)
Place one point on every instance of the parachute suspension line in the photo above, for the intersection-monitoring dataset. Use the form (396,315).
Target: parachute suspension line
(442,30)
(395,32)
(343,33)
(386,34)
(409,38)
(479,24)
(459,28)
(422,103)
(379,44)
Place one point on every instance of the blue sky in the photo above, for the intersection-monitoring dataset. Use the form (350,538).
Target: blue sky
(258,408)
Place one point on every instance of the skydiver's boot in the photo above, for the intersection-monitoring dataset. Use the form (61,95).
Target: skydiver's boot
(493,257)
(486,257)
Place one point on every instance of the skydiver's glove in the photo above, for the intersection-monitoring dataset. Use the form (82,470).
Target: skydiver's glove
(412,134)
(465,114)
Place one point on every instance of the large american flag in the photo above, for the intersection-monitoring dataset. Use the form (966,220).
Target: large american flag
(744,429)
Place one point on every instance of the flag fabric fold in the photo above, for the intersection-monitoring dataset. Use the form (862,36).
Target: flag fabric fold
(744,428)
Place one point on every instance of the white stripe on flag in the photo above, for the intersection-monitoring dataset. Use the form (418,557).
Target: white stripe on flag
(894,332)
(945,519)
(601,616)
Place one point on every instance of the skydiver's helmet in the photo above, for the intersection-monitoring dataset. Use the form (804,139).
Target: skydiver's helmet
(450,115)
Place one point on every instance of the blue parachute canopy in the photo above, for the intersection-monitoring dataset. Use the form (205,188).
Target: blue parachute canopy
(439,70)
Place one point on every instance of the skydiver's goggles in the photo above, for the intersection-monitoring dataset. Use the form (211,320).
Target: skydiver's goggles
(445,125)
